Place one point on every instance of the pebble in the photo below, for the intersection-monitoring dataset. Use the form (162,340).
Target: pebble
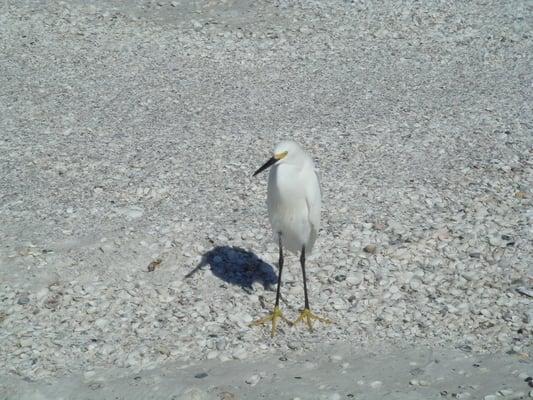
(240,354)
(417,382)
(89,375)
(132,212)
(354,278)
(370,248)
(23,300)
(376,384)
(253,380)
(221,344)
(415,284)
(335,358)
(101,322)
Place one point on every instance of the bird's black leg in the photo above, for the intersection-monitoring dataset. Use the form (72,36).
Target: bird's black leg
(280,264)
(306,315)
(302,263)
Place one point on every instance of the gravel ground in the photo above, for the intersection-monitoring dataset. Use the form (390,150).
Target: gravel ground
(129,133)
(332,373)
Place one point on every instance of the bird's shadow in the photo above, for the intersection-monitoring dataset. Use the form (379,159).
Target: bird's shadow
(237,266)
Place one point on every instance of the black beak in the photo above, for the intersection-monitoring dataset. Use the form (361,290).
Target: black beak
(266,165)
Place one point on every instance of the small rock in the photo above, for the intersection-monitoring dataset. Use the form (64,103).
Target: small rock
(522,290)
(196,25)
(89,375)
(23,300)
(355,278)
(370,248)
(293,345)
(95,385)
(335,358)
(227,396)
(463,396)
(101,322)
(490,397)
(505,392)
(153,265)
(221,344)
(495,240)
(376,384)
(415,284)
(253,380)
(239,354)
(340,278)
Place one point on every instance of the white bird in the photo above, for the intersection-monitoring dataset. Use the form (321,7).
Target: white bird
(293,201)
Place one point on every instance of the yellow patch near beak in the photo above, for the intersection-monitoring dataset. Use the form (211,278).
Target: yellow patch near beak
(281,155)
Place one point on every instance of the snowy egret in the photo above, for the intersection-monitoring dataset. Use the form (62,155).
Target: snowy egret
(293,201)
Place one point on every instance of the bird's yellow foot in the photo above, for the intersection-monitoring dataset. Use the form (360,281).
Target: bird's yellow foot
(274,316)
(307,316)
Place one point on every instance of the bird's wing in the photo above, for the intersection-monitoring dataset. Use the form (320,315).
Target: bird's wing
(313,201)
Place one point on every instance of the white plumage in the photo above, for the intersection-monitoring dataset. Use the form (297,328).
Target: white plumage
(293,198)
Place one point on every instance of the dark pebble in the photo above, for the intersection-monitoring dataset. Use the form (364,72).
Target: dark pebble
(466,348)
(340,278)
(23,300)
(371,249)
(95,385)
(201,375)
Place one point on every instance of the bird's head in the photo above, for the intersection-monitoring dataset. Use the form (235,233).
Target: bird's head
(285,152)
